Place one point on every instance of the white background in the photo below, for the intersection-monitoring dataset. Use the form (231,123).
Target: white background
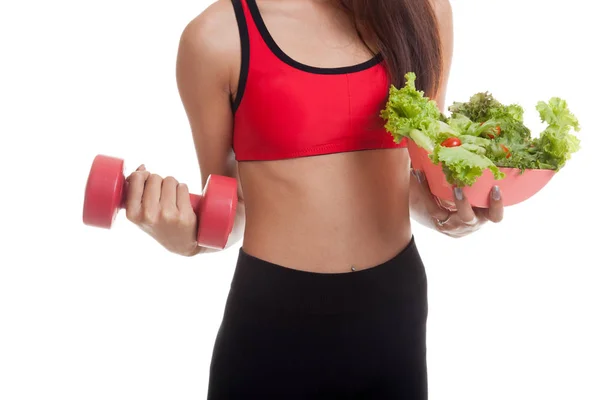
(95,314)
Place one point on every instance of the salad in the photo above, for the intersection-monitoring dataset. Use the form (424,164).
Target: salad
(480,134)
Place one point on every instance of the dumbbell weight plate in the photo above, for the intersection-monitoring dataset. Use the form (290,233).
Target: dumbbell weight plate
(103,191)
(217,210)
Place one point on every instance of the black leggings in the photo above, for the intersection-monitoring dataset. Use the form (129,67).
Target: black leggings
(288,334)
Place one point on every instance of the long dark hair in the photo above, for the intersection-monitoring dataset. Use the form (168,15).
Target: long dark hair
(406,34)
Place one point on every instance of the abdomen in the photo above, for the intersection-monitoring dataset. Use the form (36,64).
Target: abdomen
(328,213)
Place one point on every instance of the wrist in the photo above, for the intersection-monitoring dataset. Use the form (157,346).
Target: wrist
(194,252)
(420,214)
(417,207)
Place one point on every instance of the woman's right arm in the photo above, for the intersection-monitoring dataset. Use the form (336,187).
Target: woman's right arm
(207,72)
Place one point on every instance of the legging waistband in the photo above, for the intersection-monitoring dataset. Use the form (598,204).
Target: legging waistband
(381,287)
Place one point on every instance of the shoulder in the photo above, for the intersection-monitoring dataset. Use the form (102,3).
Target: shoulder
(212,38)
(213,25)
(442,8)
(443,12)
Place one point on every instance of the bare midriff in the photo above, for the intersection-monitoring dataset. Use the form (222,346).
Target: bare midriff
(330,213)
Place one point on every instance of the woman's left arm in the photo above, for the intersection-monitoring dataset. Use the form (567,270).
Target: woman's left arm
(455,219)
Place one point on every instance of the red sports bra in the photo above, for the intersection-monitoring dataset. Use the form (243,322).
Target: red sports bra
(286,109)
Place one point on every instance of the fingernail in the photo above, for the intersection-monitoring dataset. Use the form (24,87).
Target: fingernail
(458,193)
(496,193)
(142,167)
(419,175)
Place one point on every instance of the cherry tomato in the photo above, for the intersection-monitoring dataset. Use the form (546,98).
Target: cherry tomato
(451,142)
(492,135)
(506,150)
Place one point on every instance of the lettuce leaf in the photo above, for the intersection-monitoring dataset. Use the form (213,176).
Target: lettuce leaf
(461,166)
(484,108)
(556,142)
(410,114)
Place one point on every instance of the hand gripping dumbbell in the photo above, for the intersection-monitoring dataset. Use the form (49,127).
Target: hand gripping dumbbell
(105,195)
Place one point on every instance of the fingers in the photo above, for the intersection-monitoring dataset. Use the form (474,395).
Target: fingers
(459,218)
(157,203)
(496,210)
(183,199)
(151,199)
(168,212)
(434,210)
(464,210)
(168,196)
(447,204)
(136,183)
(493,213)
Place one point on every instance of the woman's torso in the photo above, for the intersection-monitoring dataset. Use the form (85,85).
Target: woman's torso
(331,212)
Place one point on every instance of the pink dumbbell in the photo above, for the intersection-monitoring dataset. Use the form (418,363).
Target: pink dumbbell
(215,208)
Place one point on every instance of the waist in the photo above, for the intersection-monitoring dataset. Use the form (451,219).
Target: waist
(325,214)
(380,287)
(324,233)
(318,246)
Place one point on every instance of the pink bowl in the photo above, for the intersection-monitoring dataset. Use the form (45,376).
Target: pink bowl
(516,187)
